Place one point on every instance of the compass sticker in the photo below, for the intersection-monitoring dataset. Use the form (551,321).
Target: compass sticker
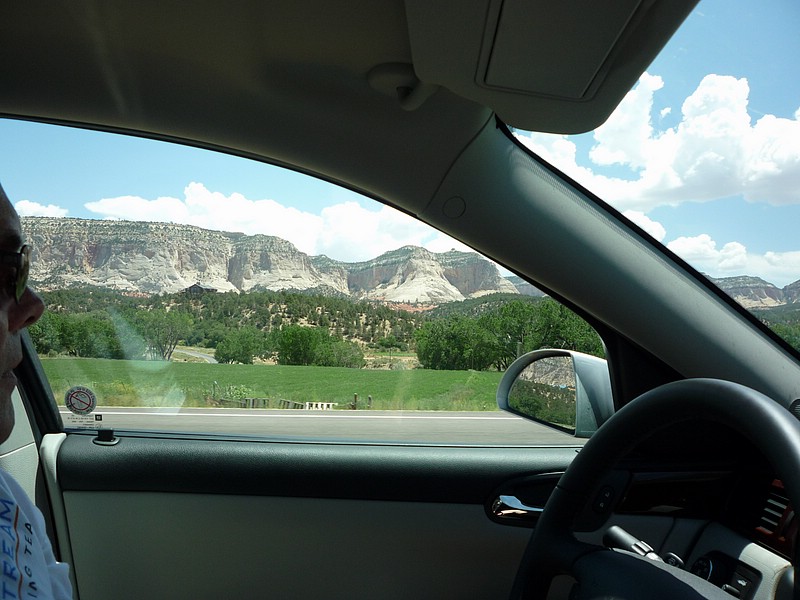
(80,400)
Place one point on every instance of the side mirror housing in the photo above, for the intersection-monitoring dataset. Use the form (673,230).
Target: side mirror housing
(565,389)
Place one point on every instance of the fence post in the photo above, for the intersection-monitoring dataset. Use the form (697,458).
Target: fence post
(369,401)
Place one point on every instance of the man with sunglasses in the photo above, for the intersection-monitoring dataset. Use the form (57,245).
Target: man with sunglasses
(28,568)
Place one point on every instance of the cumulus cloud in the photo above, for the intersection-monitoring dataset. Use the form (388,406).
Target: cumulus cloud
(715,151)
(702,250)
(627,137)
(733,259)
(345,231)
(26,208)
(654,228)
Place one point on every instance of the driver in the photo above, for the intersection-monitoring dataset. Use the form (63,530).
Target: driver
(29,568)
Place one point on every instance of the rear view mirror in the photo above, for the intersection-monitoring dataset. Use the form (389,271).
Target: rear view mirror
(562,388)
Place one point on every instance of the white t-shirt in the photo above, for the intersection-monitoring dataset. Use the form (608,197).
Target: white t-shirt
(29,568)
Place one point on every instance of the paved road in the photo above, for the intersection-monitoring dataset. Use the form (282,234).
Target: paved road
(209,358)
(480,428)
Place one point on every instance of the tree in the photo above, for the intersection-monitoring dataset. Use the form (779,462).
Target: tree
(501,334)
(163,329)
(46,333)
(389,343)
(297,345)
(240,346)
(789,332)
(513,328)
(132,344)
(455,343)
(559,327)
(339,353)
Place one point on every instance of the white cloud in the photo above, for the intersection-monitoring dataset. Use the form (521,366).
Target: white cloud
(627,136)
(654,228)
(345,231)
(26,208)
(716,151)
(214,210)
(134,208)
(733,258)
(699,249)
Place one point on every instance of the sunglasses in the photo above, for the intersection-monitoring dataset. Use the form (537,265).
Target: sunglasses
(21,261)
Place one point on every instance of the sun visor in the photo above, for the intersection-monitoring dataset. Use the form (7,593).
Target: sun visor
(546,65)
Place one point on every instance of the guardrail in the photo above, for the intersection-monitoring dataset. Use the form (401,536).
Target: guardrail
(279,403)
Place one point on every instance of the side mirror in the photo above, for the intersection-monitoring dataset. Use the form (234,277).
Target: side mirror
(562,388)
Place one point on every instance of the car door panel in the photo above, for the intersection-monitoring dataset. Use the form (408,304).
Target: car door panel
(211,546)
(246,518)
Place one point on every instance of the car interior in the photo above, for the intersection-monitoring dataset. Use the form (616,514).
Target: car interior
(414,104)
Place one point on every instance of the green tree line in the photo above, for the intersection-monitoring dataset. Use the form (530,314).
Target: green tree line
(498,336)
(237,327)
(312,329)
(302,329)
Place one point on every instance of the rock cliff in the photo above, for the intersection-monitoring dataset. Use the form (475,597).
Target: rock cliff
(413,274)
(754,292)
(161,257)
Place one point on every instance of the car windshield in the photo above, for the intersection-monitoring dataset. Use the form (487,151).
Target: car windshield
(704,153)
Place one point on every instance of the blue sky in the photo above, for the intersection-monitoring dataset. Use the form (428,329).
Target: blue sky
(704,154)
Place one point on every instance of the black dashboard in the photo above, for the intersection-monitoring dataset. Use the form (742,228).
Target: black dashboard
(751,503)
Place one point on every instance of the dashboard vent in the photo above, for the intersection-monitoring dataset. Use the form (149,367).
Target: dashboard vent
(794,408)
(773,513)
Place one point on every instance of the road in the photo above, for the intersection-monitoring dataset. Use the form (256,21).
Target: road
(479,428)
(209,358)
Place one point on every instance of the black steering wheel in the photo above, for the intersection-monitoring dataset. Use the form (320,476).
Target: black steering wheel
(606,574)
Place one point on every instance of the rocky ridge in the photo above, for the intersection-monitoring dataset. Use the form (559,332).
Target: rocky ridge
(754,292)
(153,258)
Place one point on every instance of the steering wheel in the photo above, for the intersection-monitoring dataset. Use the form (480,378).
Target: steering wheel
(606,574)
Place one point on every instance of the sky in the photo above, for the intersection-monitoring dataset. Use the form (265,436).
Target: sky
(704,154)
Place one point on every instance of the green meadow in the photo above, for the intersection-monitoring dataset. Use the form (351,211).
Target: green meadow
(161,383)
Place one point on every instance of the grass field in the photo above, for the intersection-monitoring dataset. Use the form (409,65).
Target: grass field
(156,383)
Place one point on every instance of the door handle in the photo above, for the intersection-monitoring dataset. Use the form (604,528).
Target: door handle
(512,508)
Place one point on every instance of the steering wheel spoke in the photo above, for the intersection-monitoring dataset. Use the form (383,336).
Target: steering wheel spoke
(620,575)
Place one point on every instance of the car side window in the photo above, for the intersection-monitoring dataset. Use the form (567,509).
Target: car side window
(220,295)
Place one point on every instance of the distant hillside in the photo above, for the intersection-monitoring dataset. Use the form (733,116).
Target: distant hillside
(752,292)
(786,314)
(154,258)
(523,287)
(475,307)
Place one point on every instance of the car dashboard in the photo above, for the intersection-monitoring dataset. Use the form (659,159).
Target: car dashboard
(725,517)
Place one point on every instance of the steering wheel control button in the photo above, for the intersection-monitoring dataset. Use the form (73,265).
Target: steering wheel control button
(603,502)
